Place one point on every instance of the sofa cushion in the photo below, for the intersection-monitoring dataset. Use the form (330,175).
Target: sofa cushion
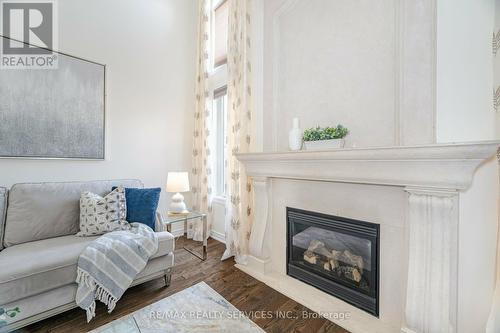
(44,210)
(3,211)
(63,296)
(35,267)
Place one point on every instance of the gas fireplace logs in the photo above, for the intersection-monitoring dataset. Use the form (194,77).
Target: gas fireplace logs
(310,257)
(329,260)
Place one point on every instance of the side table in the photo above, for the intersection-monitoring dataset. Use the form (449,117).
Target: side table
(167,221)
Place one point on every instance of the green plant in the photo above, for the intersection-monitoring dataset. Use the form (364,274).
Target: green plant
(4,313)
(327,133)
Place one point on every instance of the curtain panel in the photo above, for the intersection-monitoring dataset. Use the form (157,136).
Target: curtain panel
(201,173)
(493,324)
(239,191)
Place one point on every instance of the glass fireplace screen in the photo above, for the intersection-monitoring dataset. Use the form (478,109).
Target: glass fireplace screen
(335,254)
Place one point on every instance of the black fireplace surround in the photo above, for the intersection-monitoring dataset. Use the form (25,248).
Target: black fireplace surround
(337,255)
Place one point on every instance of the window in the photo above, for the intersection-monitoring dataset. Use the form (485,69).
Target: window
(217,82)
(220,125)
(220,27)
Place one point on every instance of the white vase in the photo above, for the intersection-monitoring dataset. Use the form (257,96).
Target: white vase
(295,136)
(324,144)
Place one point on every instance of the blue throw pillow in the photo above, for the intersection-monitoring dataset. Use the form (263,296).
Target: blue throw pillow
(142,204)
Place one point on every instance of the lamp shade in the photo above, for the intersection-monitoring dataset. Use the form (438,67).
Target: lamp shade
(177,182)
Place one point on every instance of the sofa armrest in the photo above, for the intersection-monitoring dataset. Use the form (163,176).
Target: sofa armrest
(166,243)
(158,225)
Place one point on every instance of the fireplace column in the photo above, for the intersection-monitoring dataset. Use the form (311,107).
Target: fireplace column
(431,297)
(259,254)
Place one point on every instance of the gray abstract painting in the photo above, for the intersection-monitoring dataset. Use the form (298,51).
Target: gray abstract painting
(53,113)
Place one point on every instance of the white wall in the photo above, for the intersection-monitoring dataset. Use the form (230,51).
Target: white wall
(465,113)
(149,48)
(465,70)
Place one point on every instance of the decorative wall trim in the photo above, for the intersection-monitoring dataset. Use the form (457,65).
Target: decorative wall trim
(398,51)
(285,8)
(415,77)
(417,72)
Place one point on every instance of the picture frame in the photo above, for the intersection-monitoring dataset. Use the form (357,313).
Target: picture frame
(57,113)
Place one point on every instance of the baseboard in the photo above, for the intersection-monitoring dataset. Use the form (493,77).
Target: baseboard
(407,330)
(177,233)
(218,236)
(177,229)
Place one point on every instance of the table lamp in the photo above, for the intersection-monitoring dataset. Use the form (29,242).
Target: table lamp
(177,182)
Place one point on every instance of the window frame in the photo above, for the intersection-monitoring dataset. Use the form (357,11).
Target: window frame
(217,79)
(215,66)
(220,129)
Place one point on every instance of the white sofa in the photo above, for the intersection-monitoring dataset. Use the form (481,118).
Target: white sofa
(39,249)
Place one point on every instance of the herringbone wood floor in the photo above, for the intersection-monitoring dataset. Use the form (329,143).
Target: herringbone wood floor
(242,290)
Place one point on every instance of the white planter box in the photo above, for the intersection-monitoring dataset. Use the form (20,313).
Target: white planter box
(324,144)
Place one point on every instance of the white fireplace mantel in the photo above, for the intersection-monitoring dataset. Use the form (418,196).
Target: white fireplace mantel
(444,166)
(432,175)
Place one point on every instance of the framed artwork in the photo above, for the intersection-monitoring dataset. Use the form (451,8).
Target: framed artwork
(56,113)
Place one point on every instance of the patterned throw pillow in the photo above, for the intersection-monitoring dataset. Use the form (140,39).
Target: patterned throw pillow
(100,215)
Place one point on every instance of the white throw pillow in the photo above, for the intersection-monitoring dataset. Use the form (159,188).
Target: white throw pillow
(100,215)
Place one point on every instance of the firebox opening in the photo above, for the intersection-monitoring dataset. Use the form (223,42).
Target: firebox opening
(337,255)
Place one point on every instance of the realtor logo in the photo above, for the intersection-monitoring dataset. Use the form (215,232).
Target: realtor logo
(28,34)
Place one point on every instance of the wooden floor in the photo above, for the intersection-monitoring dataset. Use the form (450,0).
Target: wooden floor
(243,291)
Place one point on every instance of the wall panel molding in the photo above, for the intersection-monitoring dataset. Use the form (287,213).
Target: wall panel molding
(417,72)
(414,71)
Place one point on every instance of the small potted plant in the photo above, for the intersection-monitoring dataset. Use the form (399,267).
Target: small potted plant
(6,314)
(325,138)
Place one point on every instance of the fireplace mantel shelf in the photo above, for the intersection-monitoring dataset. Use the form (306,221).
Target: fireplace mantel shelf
(443,166)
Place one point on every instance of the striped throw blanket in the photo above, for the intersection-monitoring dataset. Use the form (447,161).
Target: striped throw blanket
(109,264)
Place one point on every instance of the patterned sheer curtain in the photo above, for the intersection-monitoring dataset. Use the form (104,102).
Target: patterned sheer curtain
(493,324)
(496,58)
(201,174)
(239,189)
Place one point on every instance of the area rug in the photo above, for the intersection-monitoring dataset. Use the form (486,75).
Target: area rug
(196,309)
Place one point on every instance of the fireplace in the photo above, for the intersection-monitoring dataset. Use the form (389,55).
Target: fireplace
(337,255)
